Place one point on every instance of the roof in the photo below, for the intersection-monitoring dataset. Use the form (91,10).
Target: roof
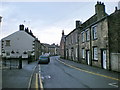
(17,33)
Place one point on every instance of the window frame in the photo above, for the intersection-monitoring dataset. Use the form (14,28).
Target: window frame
(83,36)
(94,32)
(7,43)
(87,35)
(83,53)
(95,55)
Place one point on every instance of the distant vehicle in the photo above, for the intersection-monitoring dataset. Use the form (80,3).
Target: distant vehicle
(44,59)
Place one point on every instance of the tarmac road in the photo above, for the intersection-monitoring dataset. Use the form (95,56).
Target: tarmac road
(60,74)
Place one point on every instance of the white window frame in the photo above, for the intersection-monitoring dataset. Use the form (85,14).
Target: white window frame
(83,53)
(83,36)
(87,35)
(72,39)
(95,53)
(94,30)
(76,52)
(76,37)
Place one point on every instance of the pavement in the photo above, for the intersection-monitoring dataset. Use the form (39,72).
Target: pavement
(17,78)
(93,69)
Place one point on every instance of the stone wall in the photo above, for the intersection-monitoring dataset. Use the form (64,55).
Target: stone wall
(115,62)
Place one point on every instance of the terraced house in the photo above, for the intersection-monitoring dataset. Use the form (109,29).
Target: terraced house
(71,44)
(95,42)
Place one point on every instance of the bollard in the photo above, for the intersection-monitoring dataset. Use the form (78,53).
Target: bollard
(20,63)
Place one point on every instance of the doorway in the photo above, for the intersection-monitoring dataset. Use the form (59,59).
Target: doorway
(88,57)
(104,59)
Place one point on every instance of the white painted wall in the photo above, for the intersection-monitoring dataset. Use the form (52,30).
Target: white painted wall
(19,41)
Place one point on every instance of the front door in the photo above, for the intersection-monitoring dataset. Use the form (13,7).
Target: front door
(104,59)
(88,57)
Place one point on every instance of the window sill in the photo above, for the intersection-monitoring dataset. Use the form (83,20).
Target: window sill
(95,60)
(95,39)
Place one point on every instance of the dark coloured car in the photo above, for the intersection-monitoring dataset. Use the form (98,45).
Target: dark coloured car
(43,59)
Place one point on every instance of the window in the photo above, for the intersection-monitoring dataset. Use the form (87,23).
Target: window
(76,37)
(7,42)
(71,39)
(94,29)
(95,53)
(83,40)
(83,53)
(69,52)
(7,53)
(76,52)
(87,35)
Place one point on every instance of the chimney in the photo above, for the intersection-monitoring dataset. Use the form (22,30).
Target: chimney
(62,32)
(116,8)
(21,27)
(0,18)
(78,23)
(100,10)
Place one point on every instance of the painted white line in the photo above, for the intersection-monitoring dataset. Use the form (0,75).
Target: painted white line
(113,84)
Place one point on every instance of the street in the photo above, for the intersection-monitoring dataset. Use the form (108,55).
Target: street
(60,73)
(57,74)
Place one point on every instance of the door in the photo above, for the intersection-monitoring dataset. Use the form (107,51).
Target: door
(88,57)
(104,59)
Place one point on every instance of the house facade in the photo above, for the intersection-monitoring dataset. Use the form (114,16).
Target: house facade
(94,39)
(62,45)
(72,44)
(95,42)
(51,49)
(21,43)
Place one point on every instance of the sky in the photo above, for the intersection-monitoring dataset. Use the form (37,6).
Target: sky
(47,18)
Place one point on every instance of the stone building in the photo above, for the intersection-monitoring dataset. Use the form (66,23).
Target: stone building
(94,39)
(62,45)
(51,49)
(114,40)
(71,44)
(95,42)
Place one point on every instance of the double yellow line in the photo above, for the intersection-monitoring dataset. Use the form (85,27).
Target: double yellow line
(89,71)
(38,80)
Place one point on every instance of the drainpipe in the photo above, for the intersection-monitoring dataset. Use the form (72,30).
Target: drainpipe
(90,47)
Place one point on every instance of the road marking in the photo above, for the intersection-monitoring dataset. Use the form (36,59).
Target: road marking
(40,80)
(113,84)
(36,83)
(89,71)
(29,84)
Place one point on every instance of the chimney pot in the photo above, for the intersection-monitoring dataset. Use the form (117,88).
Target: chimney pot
(116,9)
(21,27)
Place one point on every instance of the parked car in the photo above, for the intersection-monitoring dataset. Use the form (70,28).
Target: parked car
(44,59)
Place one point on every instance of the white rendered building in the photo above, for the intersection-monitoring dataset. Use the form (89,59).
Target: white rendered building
(20,43)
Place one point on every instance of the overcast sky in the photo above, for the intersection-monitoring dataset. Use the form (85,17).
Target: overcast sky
(47,19)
